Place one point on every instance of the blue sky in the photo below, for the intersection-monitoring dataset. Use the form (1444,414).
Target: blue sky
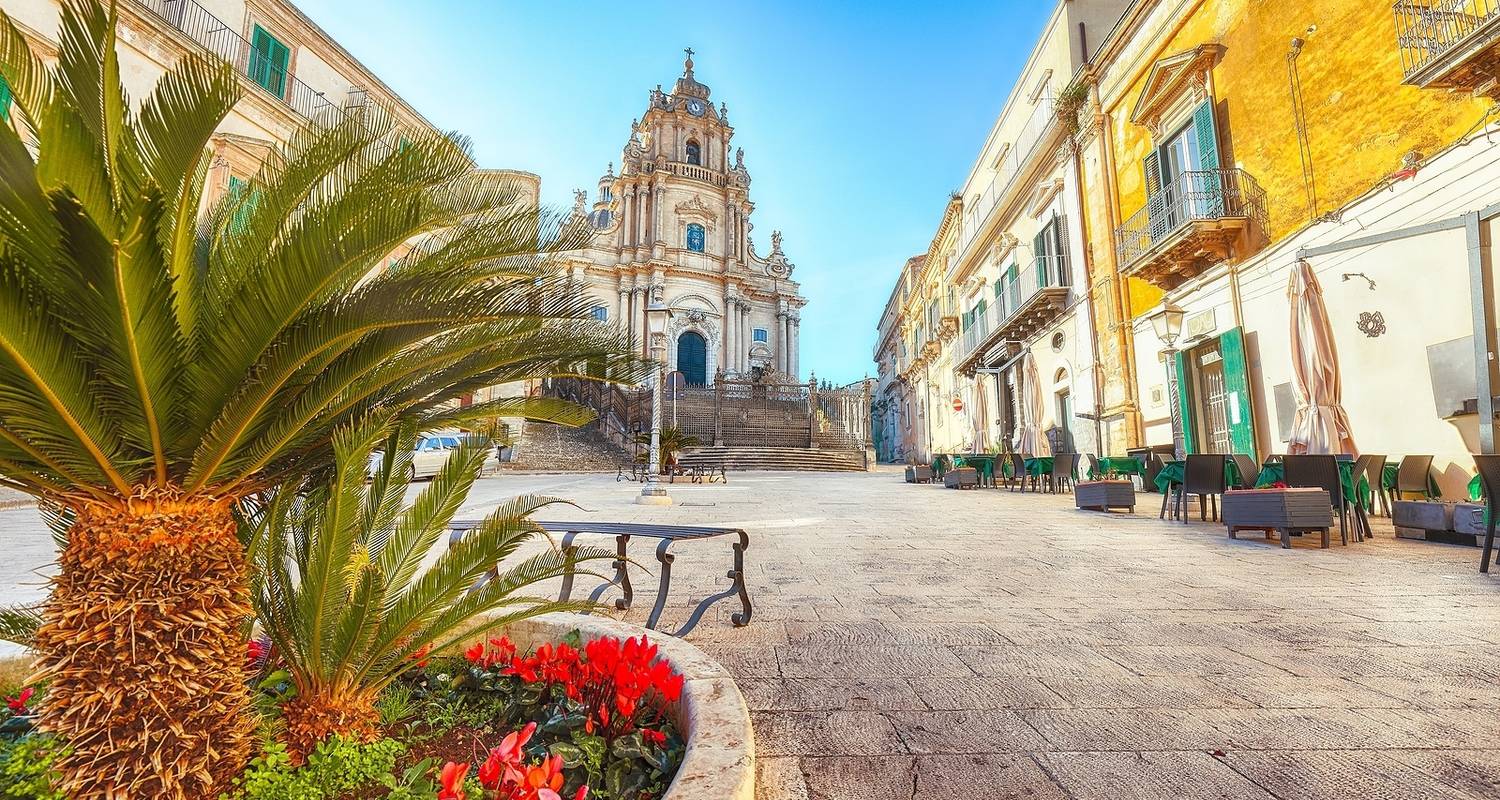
(857,118)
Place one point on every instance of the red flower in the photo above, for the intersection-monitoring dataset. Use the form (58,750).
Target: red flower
(256,652)
(18,703)
(452,781)
(653,736)
(420,656)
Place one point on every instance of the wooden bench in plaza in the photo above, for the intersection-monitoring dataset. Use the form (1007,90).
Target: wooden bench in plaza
(666,536)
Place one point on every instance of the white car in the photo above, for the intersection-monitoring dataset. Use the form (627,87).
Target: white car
(430,453)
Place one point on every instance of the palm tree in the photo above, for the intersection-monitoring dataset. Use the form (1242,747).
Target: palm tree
(158,365)
(670,442)
(348,590)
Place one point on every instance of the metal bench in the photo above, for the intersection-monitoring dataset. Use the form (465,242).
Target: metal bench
(667,536)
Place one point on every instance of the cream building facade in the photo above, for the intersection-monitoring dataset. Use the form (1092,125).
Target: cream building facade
(674,231)
(292,72)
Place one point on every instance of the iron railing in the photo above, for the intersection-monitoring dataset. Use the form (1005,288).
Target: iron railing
(1015,292)
(211,33)
(977,209)
(1192,196)
(1428,30)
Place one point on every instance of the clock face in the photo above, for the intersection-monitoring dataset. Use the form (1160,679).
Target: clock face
(695,107)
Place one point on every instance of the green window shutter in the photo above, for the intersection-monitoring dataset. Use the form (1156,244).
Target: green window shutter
(1152,167)
(242,213)
(983,306)
(1208,140)
(1184,401)
(1063,276)
(1237,407)
(999,285)
(268,62)
(4,100)
(1040,248)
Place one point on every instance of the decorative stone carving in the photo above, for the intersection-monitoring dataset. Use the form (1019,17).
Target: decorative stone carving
(695,207)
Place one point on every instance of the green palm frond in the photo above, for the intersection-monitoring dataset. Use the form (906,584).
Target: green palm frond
(18,624)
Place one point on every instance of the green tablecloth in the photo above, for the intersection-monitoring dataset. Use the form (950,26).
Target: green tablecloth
(1392,470)
(1476,489)
(983,464)
(1174,471)
(1039,465)
(1275,472)
(1117,465)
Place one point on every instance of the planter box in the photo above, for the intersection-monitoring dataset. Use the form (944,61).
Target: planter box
(1104,495)
(1413,518)
(919,474)
(1469,518)
(961,478)
(1286,511)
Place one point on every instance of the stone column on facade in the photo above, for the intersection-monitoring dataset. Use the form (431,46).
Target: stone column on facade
(625,203)
(622,311)
(729,315)
(794,325)
(780,334)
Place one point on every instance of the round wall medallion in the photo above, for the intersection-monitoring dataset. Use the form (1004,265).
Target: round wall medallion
(1058,340)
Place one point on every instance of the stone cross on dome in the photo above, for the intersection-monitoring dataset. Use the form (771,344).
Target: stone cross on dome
(687,65)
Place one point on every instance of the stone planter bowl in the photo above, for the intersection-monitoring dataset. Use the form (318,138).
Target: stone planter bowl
(720,759)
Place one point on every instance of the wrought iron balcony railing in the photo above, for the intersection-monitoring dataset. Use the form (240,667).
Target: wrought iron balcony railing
(211,33)
(1196,196)
(1428,31)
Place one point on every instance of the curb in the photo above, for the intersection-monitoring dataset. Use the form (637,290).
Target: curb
(720,758)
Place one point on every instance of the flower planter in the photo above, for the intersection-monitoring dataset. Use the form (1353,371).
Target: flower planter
(961,478)
(1414,518)
(1104,495)
(919,474)
(720,758)
(1286,511)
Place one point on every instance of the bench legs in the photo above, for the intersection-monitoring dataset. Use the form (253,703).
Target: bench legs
(621,578)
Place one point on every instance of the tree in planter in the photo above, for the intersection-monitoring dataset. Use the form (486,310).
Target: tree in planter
(157,368)
(670,442)
(341,587)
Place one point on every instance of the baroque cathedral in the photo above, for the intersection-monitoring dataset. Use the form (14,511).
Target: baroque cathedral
(674,231)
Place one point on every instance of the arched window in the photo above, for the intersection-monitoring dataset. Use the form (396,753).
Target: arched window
(695,237)
(694,152)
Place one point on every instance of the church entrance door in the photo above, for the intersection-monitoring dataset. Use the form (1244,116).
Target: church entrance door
(692,358)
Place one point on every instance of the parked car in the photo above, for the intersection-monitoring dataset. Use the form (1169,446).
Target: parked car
(430,452)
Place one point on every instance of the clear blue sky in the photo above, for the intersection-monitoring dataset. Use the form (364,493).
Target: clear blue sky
(858,119)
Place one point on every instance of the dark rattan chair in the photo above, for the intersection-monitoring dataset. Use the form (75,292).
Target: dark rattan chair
(1413,476)
(1489,475)
(1017,473)
(1248,469)
(1064,467)
(1320,472)
(1093,465)
(1373,468)
(1204,477)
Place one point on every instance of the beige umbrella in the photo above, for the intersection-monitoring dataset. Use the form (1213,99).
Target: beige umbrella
(1029,438)
(1321,425)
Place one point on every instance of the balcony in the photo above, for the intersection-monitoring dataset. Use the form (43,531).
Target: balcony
(691,171)
(1201,218)
(980,211)
(1450,44)
(213,35)
(1027,303)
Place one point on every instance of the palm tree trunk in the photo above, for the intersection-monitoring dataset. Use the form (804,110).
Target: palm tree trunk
(143,642)
(319,712)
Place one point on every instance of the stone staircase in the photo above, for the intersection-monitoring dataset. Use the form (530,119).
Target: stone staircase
(776,458)
(545,446)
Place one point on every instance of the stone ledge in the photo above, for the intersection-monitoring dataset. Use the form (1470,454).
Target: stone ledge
(720,758)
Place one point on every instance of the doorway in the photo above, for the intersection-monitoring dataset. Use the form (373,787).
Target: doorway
(692,358)
(1211,393)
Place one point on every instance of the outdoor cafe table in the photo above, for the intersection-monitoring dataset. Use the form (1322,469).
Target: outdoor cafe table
(983,464)
(1275,472)
(1173,472)
(1117,465)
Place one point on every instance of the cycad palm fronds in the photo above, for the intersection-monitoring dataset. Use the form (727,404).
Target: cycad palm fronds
(158,365)
(354,585)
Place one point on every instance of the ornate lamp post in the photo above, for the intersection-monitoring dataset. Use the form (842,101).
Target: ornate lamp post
(1168,326)
(657,316)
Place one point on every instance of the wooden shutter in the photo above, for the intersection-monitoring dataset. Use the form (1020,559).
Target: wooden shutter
(1152,167)
(1184,401)
(1040,248)
(1208,140)
(1237,408)
(1064,276)
(1209,187)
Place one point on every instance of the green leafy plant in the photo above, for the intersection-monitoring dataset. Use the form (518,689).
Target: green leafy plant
(335,768)
(350,594)
(671,441)
(160,365)
(27,765)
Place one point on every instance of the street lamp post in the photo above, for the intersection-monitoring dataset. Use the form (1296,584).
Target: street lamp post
(1168,326)
(653,493)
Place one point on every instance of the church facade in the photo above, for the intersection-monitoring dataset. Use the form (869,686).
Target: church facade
(674,231)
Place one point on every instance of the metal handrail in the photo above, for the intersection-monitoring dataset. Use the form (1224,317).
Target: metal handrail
(1192,196)
(1427,30)
(211,33)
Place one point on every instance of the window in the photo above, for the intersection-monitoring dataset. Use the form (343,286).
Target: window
(268,62)
(601,313)
(695,237)
(243,209)
(4,100)
(761,335)
(694,152)
(1051,248)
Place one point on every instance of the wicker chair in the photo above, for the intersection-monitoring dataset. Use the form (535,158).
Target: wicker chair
(1017,472)
(1320,472)
(1204,477)
(1413,475)
(1248,469)
(1093,464)
(1064,467)
(1372,467)
(1489,475)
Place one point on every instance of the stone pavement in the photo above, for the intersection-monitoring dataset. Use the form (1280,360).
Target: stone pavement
(912,641)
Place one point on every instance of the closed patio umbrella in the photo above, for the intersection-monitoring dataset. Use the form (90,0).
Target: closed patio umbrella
(1029,438)
(1321,424)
